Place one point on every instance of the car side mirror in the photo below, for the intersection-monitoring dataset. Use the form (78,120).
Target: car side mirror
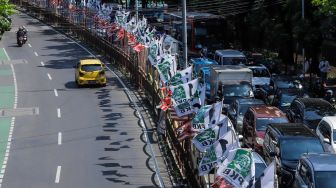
(326,140)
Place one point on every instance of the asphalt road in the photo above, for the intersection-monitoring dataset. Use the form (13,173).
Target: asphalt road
(82,137)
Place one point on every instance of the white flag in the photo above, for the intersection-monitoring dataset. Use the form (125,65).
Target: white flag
(167,68)
(216,112)
(238,168)
(183,96)
(209,136)
(201,119)
(181,77)
(267,179)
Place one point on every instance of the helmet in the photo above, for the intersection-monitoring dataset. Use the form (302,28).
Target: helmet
(329,92)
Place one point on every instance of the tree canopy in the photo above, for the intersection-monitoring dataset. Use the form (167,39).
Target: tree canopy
(6,9)
(326,6)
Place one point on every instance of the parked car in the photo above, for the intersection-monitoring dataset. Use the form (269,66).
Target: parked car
(259,163)
(238,108)
(316,171)
(284,97)
(309,111)
(285,143)
(255,122)
(326,130)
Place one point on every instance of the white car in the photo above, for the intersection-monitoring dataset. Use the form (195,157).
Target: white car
(261,76)
(326,131)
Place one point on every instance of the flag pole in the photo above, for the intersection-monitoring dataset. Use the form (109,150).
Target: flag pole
(184,27)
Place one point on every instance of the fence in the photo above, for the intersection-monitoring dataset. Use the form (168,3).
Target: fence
(79,24)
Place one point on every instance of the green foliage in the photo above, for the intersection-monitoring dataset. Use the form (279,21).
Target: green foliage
(326,6)
(6,9)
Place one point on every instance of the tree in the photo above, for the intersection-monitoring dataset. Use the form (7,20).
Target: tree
(6,9)
(326,6)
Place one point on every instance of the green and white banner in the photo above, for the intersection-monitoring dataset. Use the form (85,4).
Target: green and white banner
(181,77)
(167,67)
(216,112)
(209,136)
(216,153)
(201,119)
(183,96)
(238,168)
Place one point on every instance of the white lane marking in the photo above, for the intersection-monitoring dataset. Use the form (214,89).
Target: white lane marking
(5,160)
(42,63)
(59,138)
(143,125)
(58,174)
(55,91)
(36,53)
(58,112)
(49,76)
(29,45)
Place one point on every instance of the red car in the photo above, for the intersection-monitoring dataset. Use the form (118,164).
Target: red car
(255,122)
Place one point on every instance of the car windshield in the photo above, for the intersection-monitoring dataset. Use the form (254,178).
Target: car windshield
(325,179)
(317,112)
(92,67)
(237,90)
(285,84)
(286,99)
(292,149)
(233,60)
(260,72)
(262,123)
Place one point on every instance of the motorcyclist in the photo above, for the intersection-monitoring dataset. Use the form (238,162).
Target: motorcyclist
(329,96)
(22,31)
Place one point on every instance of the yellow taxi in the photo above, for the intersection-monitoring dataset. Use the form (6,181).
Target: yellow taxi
(90,72)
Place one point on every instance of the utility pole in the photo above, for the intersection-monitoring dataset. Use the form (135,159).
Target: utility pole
(136,11)
(184,27)
(303,50)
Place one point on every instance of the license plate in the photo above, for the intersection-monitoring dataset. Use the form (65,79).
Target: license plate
(92,82)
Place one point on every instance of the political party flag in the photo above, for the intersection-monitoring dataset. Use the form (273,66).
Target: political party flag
(182,97)
(238,168)
(207,137)
(199,97)
(181,77)
(153,52)
(267,178)
(215,112)
(167,68)
(201,119)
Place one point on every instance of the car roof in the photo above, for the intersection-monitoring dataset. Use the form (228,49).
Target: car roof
(230,53)
(292,130)
(257,67)
(249,101)
(205,61)
(322,161)
(90,61)
(265,111)
(313,102)
(331,120)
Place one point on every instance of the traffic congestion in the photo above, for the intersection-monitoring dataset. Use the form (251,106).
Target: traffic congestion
(220,117)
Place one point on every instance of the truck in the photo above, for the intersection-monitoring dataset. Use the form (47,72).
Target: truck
(230,57)
(228,82)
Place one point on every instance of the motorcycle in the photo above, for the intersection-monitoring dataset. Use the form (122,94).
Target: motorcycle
(20,41)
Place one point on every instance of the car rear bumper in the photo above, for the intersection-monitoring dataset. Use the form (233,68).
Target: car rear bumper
(86,81)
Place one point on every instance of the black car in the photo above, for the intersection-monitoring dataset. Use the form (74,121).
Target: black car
(285,82)
(285,143)
(309,111)
(238,108)
(284,97)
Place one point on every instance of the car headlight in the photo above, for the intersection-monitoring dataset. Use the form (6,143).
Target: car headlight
(260,141)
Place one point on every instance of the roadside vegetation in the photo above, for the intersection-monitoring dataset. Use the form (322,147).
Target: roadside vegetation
(6,9)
